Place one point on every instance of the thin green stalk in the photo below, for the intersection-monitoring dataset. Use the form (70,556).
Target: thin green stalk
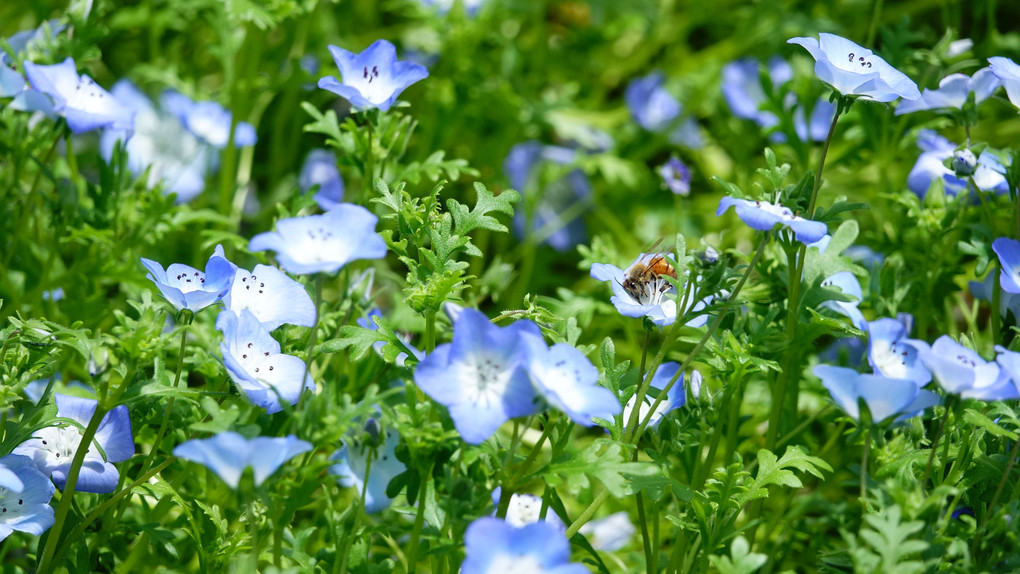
(795,257)
(995,498)
(646,542)
(997,304)
(876,15)
(419,523)
(703,467)
(587,513)
(938,436)
(639,397)
(46,563)
(864,464)
(349,539)
(507,491)
(169,403)
(821,163)
(253,528)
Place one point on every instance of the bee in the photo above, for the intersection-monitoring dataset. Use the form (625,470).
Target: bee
(643,280)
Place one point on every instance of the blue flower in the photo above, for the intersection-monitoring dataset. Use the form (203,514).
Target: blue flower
(930,166)
(188,288)
(52,448)
(892,355)
(568,381)
(12,83)
(25,495)
(471,7)
(656,299)
(320,170)
(160,146)
(953,92)
(480,376)
(675,398)
(493,545)
(886,397)
(523,166)
(983,290)
(83,103)
(374,78)
(208,121)
(271,296)
(228,454)
(324,242)
(1008,251)
(656,110)
(610,533)
(676,176)
(849,285)
(401,358)
(525,509)
(821,119)
(853,70)
(352,463)
(1009,363)
(763,216)
(253,360)
(963,372)
(1008,72)
(743,90)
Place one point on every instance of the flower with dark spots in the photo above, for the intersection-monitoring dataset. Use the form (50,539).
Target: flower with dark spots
(373,78)
(83,103)
(963,372)
(188,288)
(764,216)
(25,495)
(272,296)
(853,70)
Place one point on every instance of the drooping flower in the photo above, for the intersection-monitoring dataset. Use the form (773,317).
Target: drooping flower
(271,296)
(655,109)
(953,92)
(610,533)
(208,120)
(188,288)
(401,358)
(763,216)
(544,220)
(254,361)
(984,290)
(885,397)
(53,448)
(480,376)
(846,282)
(930,166)
(1008,72)
(892,355)
(228,454)
(25,495)
(1009,363)
(352,462)
(853,70)
(676,176)
(1008,251)
(372,79)
(655,298)
(675,398)
(568,381)
(160,144)
(525,509)
(494,546)
(325,242)
(963,372)
(320,170)
(83,103)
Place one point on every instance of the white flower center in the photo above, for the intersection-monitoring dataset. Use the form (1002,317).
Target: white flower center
(187,282)
(11,504)
(490,376)
(891,359)
(856,63)
(60,443)
(254,360)
(776,209)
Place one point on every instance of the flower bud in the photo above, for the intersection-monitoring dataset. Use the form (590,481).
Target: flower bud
(964,162)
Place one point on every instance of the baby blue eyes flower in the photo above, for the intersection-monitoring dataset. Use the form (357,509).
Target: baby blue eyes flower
(1008,72)
(676,176)
(653,297)
(480,376)
(543,222)
(525,509)
(675,398)
(892,355)
(208,121)
(253,360)
(963,372)
(320,170)
(764,216)
(984,290)
(885,397)
(656,110)
(374,78)
(743,90)
(953,92)
(611,533)
(83,103)
(1008,251)
(271,296)
(853,70)
(568,381)
(930,166)
(188,288)
(324,242)
(353,462)
(228,454)
(496,547)
(849,285)
(53,448)
(25,495)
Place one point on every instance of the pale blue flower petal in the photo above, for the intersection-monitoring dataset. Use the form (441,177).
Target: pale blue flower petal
(271,296)
(374,78)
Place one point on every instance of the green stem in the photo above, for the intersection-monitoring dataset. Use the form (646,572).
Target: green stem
(997,304)
(639,397)
(995,498)
(46,564)
(369,180)
(864,464)
(537,448)
(170,403)
(821,163)
(587,513)
(794,265)
(253,528)
(646,542)
(419,523)
(876,15)
(938,436)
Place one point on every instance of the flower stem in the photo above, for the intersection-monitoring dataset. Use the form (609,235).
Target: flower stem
(369,177)
(821,163)
(587,513)
(938,435)
(646,541)
(864,464)
(419,523)
(995,498)
(169,403)
(997,304)
(639,397)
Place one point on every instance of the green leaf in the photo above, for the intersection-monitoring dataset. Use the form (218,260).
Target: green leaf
(741,560)
(467,220)
(603,460)
(978,419)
